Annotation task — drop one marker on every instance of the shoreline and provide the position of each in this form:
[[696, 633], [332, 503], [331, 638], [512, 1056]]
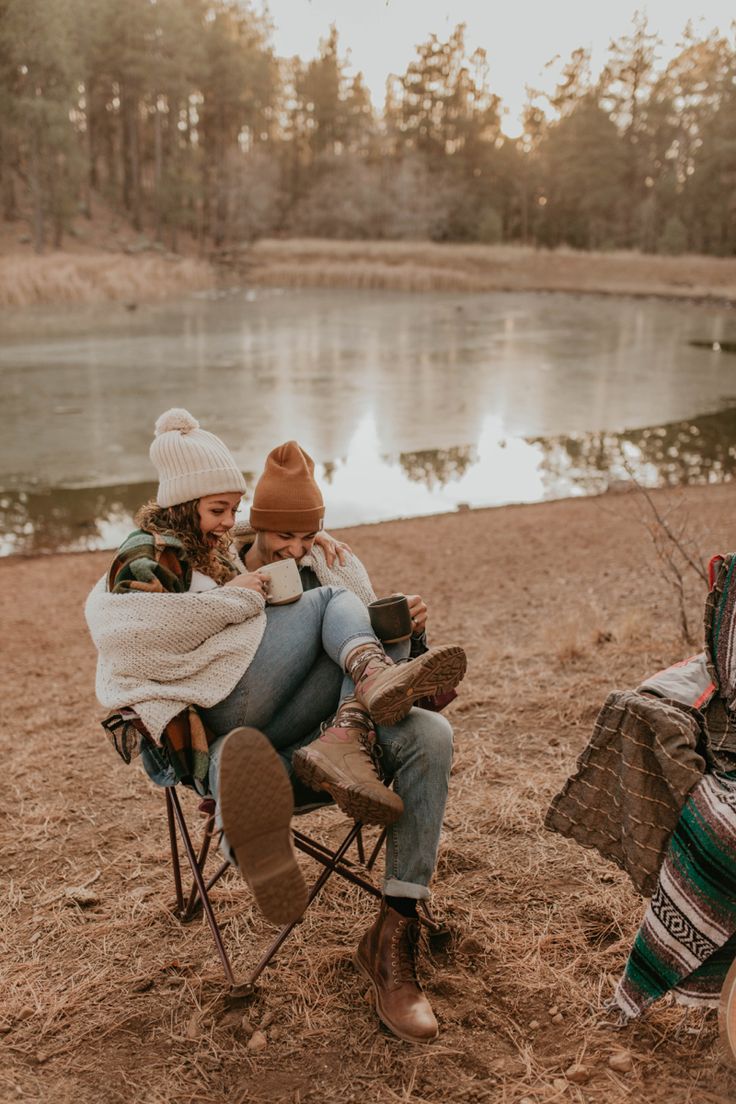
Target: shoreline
[[150, 275]]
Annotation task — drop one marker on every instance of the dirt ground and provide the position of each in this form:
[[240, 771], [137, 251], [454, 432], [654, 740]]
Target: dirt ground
[[106, 998]]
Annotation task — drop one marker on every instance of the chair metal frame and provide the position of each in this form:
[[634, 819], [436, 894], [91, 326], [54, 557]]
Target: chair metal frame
[[198, 899]]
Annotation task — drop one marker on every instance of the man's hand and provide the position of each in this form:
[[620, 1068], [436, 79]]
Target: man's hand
[[418, 611], [333, 549]]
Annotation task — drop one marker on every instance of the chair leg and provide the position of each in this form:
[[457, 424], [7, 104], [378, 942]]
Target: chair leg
[[376, 850], [193, 903], [174, 852], [326, 857], [203, 895]]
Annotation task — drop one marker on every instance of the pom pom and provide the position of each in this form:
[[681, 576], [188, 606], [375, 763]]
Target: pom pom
[[176, 419]]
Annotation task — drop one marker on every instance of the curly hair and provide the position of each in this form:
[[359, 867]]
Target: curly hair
[[182, 521]]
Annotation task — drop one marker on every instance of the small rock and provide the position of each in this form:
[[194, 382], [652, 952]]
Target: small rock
[[559, 1084], [192, 1031], [231, 1019], [577, 1073], [558, 1018], [25, 1013], [79, 895], [257, 1042], [621, 1062], [553, 1010], [553, 741], [470, 946], [534, 1025]]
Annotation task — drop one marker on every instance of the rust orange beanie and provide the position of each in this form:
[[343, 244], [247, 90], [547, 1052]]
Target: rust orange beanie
[[286, 498]]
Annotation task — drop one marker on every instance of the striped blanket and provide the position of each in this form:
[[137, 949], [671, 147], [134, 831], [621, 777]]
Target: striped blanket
[[687, 939]]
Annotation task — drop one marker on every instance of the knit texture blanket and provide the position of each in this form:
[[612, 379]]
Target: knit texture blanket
[[159, 653], [631, 782], [687, 940]]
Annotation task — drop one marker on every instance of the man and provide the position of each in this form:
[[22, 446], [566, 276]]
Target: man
[[340, 757]]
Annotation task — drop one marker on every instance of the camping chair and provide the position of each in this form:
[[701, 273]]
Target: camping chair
[[333, 861], [125, 730]]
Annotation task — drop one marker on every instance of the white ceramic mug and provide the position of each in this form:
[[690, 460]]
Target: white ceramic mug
[[284, 582]]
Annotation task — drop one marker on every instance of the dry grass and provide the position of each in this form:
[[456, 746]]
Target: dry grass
[[97, 278], [427, 266], [113, 1001]]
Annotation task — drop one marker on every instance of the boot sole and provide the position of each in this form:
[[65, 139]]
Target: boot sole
[[432, 674], [362, 969], [256, 805], [357, 806]]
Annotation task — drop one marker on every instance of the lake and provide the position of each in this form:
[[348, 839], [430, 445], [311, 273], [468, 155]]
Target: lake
[[410, 403]]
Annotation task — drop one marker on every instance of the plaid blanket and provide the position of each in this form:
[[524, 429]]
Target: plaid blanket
[[631, 782], [687, 940], [185, 740]]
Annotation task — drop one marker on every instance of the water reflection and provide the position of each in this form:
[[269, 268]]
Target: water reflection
[[367, 485]]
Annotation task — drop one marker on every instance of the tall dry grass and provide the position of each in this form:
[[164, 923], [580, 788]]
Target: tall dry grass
[[97, 278], [429, 266]]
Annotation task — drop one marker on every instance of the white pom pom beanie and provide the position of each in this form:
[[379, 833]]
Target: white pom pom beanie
[[190, 461]]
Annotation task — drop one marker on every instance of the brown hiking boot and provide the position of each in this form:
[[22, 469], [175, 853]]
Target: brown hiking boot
[[386, 957], [388, 690], [256, 804], [342, 763]]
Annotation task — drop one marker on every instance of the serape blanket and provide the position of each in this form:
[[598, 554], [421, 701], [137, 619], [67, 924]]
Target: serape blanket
[[687, 940]]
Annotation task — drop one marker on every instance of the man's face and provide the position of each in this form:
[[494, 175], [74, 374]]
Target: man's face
[[283, 546], [217, 514]]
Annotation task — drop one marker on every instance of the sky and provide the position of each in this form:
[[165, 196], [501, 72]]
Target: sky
[[519, 36]]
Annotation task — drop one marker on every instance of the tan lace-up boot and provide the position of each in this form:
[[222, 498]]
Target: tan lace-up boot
[[387, 958], [343, 762], [388, 690]]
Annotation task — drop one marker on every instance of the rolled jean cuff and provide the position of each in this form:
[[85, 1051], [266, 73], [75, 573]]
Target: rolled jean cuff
[[353, 642], [392, 887]]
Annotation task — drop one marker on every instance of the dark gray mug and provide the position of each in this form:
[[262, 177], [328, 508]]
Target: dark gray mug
[[390, 618]]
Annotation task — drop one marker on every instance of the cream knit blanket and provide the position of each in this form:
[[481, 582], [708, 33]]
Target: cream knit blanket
[[159, 653]]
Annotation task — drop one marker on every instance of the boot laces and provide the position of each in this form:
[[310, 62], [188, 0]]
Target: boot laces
[[405, 951], [355, 720]]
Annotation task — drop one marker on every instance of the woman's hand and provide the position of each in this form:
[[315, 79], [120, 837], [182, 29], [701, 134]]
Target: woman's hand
[[250, 580], [333, 549], [418, 611]]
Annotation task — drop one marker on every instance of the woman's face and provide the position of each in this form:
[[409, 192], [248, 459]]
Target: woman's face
[[217, 514]]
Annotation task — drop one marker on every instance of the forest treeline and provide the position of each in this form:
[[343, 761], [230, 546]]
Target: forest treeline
[[178, 115]]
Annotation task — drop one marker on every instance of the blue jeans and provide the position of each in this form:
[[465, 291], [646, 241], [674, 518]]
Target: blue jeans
[[279, 691]]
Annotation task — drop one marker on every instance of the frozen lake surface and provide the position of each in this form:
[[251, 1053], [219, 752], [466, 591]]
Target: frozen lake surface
[[410, 403]]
